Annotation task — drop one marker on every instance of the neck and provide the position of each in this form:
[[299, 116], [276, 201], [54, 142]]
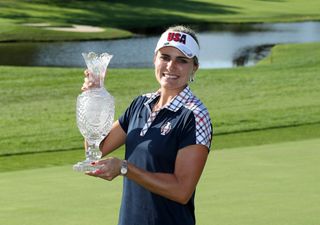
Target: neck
[[165, 97]]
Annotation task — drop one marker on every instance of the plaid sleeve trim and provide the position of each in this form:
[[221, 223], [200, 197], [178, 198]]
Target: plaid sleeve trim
[[203, 121]]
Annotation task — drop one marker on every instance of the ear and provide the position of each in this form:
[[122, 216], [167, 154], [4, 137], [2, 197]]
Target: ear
[[193, 73], [195, 68]]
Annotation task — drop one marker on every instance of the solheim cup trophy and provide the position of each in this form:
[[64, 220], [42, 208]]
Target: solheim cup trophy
[[95, 110]]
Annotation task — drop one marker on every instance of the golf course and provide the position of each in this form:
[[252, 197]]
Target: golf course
[[263, 166]]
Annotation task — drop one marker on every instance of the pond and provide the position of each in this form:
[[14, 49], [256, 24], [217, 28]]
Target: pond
[[219, 49]]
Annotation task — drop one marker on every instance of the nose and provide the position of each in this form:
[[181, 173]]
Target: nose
[[171, 65]]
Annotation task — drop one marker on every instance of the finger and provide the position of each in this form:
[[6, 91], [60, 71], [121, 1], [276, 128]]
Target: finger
[[86, 73], [84, 87], [95, 173], [98, 172], [87, 82], [98, 163]]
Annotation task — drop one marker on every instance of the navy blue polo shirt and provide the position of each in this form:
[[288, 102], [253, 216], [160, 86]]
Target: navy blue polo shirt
[[152, 143]]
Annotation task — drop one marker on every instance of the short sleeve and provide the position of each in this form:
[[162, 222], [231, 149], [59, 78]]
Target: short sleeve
[[197, 129]]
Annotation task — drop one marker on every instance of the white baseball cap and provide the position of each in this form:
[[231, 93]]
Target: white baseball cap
[[182, 41]]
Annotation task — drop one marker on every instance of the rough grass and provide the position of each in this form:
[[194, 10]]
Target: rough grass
[[38, 104]]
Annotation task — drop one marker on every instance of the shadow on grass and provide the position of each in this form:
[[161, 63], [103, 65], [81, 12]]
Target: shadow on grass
[[126, 14], [31, 160], [39, 152]]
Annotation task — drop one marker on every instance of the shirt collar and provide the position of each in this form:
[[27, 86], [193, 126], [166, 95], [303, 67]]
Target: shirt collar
[[175, 103]]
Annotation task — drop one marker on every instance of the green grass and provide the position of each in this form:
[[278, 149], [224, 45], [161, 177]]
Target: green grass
[[117, 17], [38, 105], [269, 184], [275, 103], [57, 195], [21, 161]]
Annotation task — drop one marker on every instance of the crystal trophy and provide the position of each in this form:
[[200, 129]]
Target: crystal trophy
[[95, 110]]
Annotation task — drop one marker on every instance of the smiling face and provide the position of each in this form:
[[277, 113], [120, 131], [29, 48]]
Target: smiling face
[[173, 69]]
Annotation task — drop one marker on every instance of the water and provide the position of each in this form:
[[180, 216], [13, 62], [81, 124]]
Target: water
[[219, 49], [229, 46]]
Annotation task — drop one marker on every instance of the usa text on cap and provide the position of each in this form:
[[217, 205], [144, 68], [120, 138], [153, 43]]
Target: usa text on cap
[[182, 41]]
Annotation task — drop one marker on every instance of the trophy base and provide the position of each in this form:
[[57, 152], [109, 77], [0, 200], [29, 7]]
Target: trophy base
[[85, 166]]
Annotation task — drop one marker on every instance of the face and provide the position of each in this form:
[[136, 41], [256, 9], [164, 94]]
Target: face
[[173, 69]]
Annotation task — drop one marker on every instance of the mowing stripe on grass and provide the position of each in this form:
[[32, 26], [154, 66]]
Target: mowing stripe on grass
[[270, 184]]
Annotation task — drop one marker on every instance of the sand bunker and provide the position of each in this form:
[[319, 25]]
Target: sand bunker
[[74, 28], [37, 24], [77, 28]]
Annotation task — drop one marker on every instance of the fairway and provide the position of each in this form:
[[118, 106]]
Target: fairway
[[259, 185], [263, 168]]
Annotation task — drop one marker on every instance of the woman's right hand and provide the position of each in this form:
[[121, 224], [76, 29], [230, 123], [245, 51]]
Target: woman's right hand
[[87, 83]]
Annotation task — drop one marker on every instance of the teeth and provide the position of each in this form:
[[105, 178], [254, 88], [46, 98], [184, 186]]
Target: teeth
[[171, 76]]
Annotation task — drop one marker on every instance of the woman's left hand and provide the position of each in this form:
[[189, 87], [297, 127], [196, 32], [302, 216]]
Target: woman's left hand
[[109, 168]]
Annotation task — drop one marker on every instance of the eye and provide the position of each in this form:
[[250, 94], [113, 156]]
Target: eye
[[182, 60], [164, 57]]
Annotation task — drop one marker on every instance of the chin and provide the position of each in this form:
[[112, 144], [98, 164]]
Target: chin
[[169, 86]]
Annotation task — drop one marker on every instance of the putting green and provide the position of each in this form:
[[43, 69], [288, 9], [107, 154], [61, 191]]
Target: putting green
[[271, 184], [274, 184]]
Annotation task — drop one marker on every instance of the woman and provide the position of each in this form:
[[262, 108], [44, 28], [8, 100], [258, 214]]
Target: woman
[[167, 135]]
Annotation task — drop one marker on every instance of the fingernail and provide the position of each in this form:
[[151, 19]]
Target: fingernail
[[97, 172]]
